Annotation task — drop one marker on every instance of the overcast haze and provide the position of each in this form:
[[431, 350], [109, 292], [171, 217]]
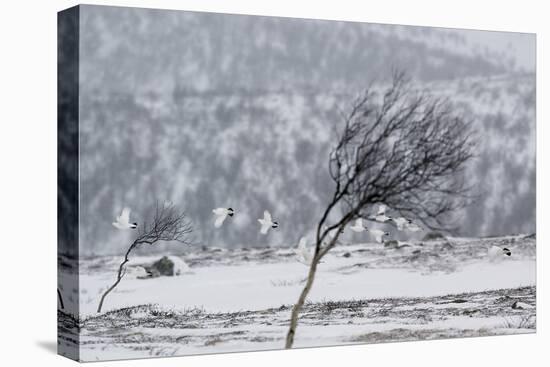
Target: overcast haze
[[209, 110]]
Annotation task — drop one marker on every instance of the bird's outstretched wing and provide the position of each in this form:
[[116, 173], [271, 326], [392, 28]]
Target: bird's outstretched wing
[[381, 209], [219, 220], [400, 223], [302, 243], [124, 217], [265, 226], [359, 222], [267, 216], [403, 223], [380, 217]]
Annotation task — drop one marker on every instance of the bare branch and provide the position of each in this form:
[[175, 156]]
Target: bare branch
[[167, 225]]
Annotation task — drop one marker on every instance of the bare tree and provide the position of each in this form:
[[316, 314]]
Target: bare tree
[[404, 148], [166, 225]]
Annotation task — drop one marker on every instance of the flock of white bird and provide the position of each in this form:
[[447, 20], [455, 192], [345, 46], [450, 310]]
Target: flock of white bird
[[403, 224], [267, 222], [303, 254]]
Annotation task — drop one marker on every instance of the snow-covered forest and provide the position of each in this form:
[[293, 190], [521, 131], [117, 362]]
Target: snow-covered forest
[[207, 110]]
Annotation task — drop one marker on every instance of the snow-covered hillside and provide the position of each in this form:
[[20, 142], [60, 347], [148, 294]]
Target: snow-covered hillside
[[269, 151], [126, 49]]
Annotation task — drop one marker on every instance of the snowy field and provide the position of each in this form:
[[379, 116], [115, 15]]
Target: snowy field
[[240, 300]]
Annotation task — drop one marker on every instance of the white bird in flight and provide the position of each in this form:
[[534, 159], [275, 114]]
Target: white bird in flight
[[381, 209], [221, 214], [267, 222], [381, 214], [123, 220], [303, 254], [401, 223], [413, 227], [358, 226], [382, 218], [496, 253], [378, 234]]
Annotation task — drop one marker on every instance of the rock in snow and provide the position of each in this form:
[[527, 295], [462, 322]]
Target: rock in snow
[[167, 266], [517, 305]]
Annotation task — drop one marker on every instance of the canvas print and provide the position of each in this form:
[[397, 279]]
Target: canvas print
[[233, 183]]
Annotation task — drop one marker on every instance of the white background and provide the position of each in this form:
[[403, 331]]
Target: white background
[[28, 181]]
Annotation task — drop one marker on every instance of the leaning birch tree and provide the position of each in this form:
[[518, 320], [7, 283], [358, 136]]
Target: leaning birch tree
[[167, 225], [404, 148]]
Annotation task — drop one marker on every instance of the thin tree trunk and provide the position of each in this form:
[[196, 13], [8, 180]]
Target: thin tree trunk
[[119, 277], [106, 293], [60, 299], [298, 306], [167, 225], [319, 254]]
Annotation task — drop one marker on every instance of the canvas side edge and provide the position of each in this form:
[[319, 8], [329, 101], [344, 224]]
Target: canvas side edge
[[68, 23]]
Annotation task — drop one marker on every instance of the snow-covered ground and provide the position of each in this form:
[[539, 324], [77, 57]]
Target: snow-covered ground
[[238, 300]]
